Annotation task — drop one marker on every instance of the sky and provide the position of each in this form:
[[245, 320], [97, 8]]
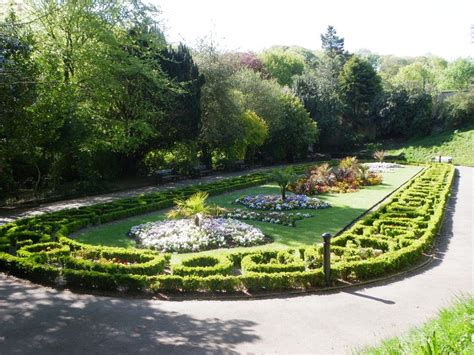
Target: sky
[[398, 27]]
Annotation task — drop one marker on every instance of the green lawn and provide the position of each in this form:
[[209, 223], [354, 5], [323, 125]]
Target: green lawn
[[450, 333], [459, 145], [345, 208]]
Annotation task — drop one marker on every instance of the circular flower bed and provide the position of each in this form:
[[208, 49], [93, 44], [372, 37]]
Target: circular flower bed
[[183, 235], [275, 202]]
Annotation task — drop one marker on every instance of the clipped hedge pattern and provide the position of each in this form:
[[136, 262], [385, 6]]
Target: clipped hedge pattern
[[393, 237], [203, 266], [272, 262]]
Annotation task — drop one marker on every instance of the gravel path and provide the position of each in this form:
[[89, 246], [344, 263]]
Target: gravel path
[[39, 320]]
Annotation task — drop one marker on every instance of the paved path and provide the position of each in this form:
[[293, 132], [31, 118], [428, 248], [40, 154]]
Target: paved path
[[8, 216], [40, 320]]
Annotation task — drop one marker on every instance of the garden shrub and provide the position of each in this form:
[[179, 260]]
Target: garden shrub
[[203, 266], [116, 260], [272, 262], [46, 249], [313, 257]]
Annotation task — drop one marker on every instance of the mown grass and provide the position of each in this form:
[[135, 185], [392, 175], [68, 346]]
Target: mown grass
[[345, 208], [451, 332], [457, 144]]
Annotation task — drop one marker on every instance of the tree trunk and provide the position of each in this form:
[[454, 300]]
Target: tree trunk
[[38, 180], [206, 156]]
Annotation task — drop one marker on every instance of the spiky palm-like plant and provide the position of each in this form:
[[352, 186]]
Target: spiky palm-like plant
[[283, 177], [195, 206], [379, 155], [192, 206]]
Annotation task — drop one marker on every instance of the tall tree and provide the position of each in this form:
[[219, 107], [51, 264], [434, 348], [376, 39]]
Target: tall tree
[[319, 96], [221, 106], [185, 118], [111, 93], [297, 133], [331, 43], [360, 86], [20, 136]]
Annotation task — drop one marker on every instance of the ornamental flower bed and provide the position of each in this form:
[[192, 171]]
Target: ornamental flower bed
[[275, 202], [184, 235], [382, 167], [286, 219], [349, 176]]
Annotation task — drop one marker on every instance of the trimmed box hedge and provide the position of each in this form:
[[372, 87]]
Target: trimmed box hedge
[[389, 239], [203, 265]]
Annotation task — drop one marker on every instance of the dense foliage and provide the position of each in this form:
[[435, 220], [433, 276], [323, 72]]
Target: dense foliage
[[91, 92]]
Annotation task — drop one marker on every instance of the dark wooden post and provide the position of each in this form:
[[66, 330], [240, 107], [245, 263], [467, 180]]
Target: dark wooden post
[[327, 258]]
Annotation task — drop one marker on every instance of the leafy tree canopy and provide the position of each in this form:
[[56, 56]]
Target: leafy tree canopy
[[282, 65]]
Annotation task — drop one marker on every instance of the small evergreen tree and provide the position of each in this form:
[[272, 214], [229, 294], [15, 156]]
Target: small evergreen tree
[[332, 44]]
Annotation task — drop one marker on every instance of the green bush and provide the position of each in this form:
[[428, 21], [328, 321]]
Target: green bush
[[46, 249], [203, 266], [272, 262], [313, 258], [116, 261]]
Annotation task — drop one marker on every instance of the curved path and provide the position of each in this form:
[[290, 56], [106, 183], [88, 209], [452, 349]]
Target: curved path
[[37, 320]]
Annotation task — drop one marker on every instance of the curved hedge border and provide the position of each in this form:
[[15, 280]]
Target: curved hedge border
[[272, 262], [203, 265], [387, 240]]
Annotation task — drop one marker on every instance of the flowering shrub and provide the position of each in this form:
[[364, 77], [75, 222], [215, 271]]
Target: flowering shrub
[[275, 202], [183, 235], [374, 180], [286, 219], [349, 176]]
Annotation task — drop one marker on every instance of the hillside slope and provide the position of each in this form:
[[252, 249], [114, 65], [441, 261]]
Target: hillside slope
[[458, 144]]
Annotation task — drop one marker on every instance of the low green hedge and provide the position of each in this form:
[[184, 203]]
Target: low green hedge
[[272, 262], [203, 266], [116, 261], [393, 237], [44, 249]]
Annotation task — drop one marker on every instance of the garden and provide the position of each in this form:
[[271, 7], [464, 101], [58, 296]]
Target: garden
[[307, 224], [256, 232]]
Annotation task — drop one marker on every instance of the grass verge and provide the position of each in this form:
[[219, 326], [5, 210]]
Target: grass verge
[[451, 332]]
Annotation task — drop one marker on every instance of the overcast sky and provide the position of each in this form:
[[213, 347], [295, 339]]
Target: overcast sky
[[399, 27]]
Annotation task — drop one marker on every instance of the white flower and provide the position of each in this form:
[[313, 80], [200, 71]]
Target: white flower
[[183, 235]]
